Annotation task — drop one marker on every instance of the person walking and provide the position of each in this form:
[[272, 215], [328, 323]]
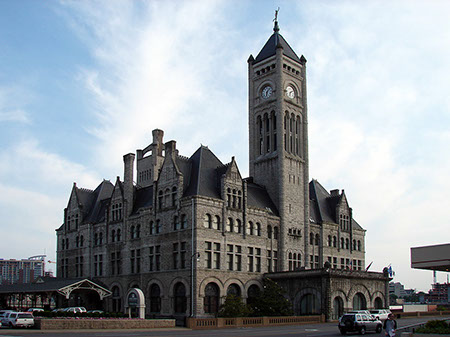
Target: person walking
[[390, 325]]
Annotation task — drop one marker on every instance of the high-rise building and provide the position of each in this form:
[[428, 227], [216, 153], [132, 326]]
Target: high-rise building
[[21, 271]]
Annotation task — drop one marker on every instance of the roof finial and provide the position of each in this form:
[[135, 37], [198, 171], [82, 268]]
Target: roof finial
[[275, 27]]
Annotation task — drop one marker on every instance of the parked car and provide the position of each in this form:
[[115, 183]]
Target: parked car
[[360, 323], [96, 311], [381, 314], [366, 312], [3, 315], [75, 309], [18, 319], [35, 310]]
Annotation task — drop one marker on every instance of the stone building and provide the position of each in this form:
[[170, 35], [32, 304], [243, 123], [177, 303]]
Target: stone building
[[192, 230]]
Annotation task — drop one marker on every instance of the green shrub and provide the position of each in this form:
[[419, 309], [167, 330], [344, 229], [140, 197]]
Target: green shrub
[[435, 327]]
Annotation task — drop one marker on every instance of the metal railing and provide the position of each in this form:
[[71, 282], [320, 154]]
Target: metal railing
[[412, 327]]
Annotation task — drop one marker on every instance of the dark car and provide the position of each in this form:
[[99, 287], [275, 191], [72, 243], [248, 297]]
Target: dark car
[[360, 323]]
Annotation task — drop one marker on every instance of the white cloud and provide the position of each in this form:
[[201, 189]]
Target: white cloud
[[12, 101]]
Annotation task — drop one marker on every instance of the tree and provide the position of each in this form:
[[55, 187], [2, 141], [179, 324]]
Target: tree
[[271, 301], [234, 307]]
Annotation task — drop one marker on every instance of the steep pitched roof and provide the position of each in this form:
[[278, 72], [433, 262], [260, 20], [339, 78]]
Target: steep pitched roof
[[203, 175], [257, 196], [323, 205], [144, 198], [102, 194], [270, 48]]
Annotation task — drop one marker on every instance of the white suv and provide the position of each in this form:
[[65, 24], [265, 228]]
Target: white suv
[[381, 314], [18, 319]]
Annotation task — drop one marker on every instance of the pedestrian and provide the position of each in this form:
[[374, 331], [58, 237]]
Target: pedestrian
[[390, 325]]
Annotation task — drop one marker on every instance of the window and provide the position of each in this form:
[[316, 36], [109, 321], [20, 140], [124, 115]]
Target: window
[[158, 226], [329, 241], [359, 245], [183, 221], [116, 211], [155, 258], [216, 256], [230, 225], [354, 244], [258, 260], [258, 229], [250, 259], [334, 241], [160, 199], [230, 256], [238, 258], [275, 233], [311, 238], [135, 261], [133, 232], [98, 265], [116, 263], [342, 243], [250, 228], [347, 244], [175, 256], [174, 196], [238, 226], [207, 221], [212, 256], [208, 255], [211, 299], [113, 235], [317, 240], [216, 223], [269, 232], [155, 298], [176, 223]]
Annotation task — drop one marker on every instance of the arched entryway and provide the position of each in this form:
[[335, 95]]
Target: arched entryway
[[180, 300], [338, 307], [378, 303], [359, 302], [211, 300], [252, 293], [309, 304], [155, 298]]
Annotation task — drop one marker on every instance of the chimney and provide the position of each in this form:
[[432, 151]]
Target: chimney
[[157, 142], [128, 188], [171, 149], [334, 193]]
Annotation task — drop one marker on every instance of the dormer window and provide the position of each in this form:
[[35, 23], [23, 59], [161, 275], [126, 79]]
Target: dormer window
[[344, 222], [234, 198], [116, 211]]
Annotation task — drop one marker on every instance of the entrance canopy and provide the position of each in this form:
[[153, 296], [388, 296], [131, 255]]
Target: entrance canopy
[[431, 257], [48, 285]]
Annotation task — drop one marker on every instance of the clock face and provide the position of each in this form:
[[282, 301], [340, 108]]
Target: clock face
[[290, 92], [267, 92]]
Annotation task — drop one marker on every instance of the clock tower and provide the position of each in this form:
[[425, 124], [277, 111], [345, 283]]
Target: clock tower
[[278, 139]]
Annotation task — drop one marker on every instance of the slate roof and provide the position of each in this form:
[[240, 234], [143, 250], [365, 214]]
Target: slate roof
[[270, 48], [42, 284], [144, 198], [323, 205], [257, 196]]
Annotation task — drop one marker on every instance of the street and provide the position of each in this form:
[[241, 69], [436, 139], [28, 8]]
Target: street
[[325, 329]]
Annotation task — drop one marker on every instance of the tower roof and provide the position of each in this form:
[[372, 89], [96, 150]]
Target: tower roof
[[274, 42]]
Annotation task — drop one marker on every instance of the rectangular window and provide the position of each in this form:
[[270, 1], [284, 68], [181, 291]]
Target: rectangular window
[[334, 262], [342, 263], [230, 264], [238, 259], [258, 260], [100, 265], [269, 261], [275, 260], [183, 255], [132, 259], [250, 259], [151, 256], [157, 258], [208, 255], [138, 261], [175, 256], [311, 261], [316, 261]]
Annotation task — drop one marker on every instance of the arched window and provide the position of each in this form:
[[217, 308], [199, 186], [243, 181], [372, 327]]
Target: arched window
[[250, 228], [234, 199], [183, 221], [290, 262], [317, 240], [95, 239], [100, 238], [239, 200], [275, 233], [269, 231], [207, 221], [77, 241], [347, 246], [233, 289], [180, 298], [329, 241], [158, 226], [81, 241], [334, 241], [229, 197], [216, 223], [211, 300], [113, 235], [354, 244], [230, 225], [133, 232], [258, 229], [67, 243], [238, 226], [342, 243], [152, 228], [155, 298], [359, 245], [311, 238]]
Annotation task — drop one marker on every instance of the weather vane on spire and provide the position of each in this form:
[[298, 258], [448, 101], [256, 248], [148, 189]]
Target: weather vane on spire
[[275, 26], [276, 14]]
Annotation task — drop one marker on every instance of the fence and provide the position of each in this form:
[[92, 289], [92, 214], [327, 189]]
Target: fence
[[237, 322]]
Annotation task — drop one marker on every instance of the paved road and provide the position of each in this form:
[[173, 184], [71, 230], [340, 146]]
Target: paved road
[[312, 330]]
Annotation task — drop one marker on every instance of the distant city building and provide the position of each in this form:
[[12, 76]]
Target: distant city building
[[439, 294], [21, 271]]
